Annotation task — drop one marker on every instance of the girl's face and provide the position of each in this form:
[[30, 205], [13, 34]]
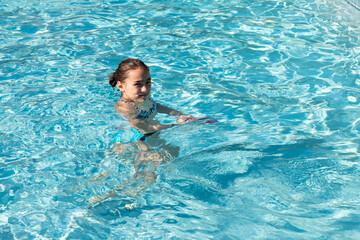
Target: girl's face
[[137, 85]]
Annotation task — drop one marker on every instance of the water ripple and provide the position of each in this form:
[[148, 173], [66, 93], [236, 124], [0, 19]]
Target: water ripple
[[282, 78]]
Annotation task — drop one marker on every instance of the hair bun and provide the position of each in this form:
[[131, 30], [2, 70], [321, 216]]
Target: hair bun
[[112, 80]]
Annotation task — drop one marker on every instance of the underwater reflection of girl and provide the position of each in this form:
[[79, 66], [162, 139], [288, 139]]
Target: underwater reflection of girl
[[132, 78]]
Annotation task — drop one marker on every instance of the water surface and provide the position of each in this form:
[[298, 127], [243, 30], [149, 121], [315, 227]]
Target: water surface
[[282, 78]]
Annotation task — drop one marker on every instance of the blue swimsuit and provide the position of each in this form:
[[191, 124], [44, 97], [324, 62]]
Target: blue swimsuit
[[125, 137]]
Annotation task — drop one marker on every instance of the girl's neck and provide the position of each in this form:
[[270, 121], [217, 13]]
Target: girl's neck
[[137, 104], [126, 98]]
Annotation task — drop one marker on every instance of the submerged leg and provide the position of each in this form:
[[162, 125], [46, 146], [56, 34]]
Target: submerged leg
[[119, 148], [146, 163]]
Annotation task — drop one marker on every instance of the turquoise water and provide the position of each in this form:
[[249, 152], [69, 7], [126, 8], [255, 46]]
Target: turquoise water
[[282, 78]]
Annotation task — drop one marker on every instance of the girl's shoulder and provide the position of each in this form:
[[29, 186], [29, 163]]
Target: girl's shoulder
[[126, 109]]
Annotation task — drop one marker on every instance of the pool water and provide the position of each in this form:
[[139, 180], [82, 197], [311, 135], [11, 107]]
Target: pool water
[[281, 77]]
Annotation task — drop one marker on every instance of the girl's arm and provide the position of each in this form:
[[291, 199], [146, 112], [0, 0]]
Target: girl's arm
[[172, 112], [167, 110], [151, 128]]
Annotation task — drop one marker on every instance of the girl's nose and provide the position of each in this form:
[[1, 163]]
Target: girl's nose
[[143, 88]]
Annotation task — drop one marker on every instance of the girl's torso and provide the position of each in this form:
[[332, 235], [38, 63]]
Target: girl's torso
[[138, 114]]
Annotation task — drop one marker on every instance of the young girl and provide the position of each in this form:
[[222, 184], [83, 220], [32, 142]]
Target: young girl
[[132, 78]]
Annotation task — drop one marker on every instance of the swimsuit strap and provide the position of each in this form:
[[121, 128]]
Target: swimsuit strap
[[129, 103], [133, 104]]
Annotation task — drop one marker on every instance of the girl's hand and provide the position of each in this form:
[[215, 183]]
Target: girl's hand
[[185, 119]]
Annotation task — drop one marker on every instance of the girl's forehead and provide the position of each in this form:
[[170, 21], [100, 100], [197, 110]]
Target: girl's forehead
[[138, 75], [138, 72]]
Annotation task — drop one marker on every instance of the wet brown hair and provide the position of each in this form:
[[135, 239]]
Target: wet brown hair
[[124, 67]]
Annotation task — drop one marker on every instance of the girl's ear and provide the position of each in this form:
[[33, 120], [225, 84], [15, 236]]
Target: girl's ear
[[120, 85]]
